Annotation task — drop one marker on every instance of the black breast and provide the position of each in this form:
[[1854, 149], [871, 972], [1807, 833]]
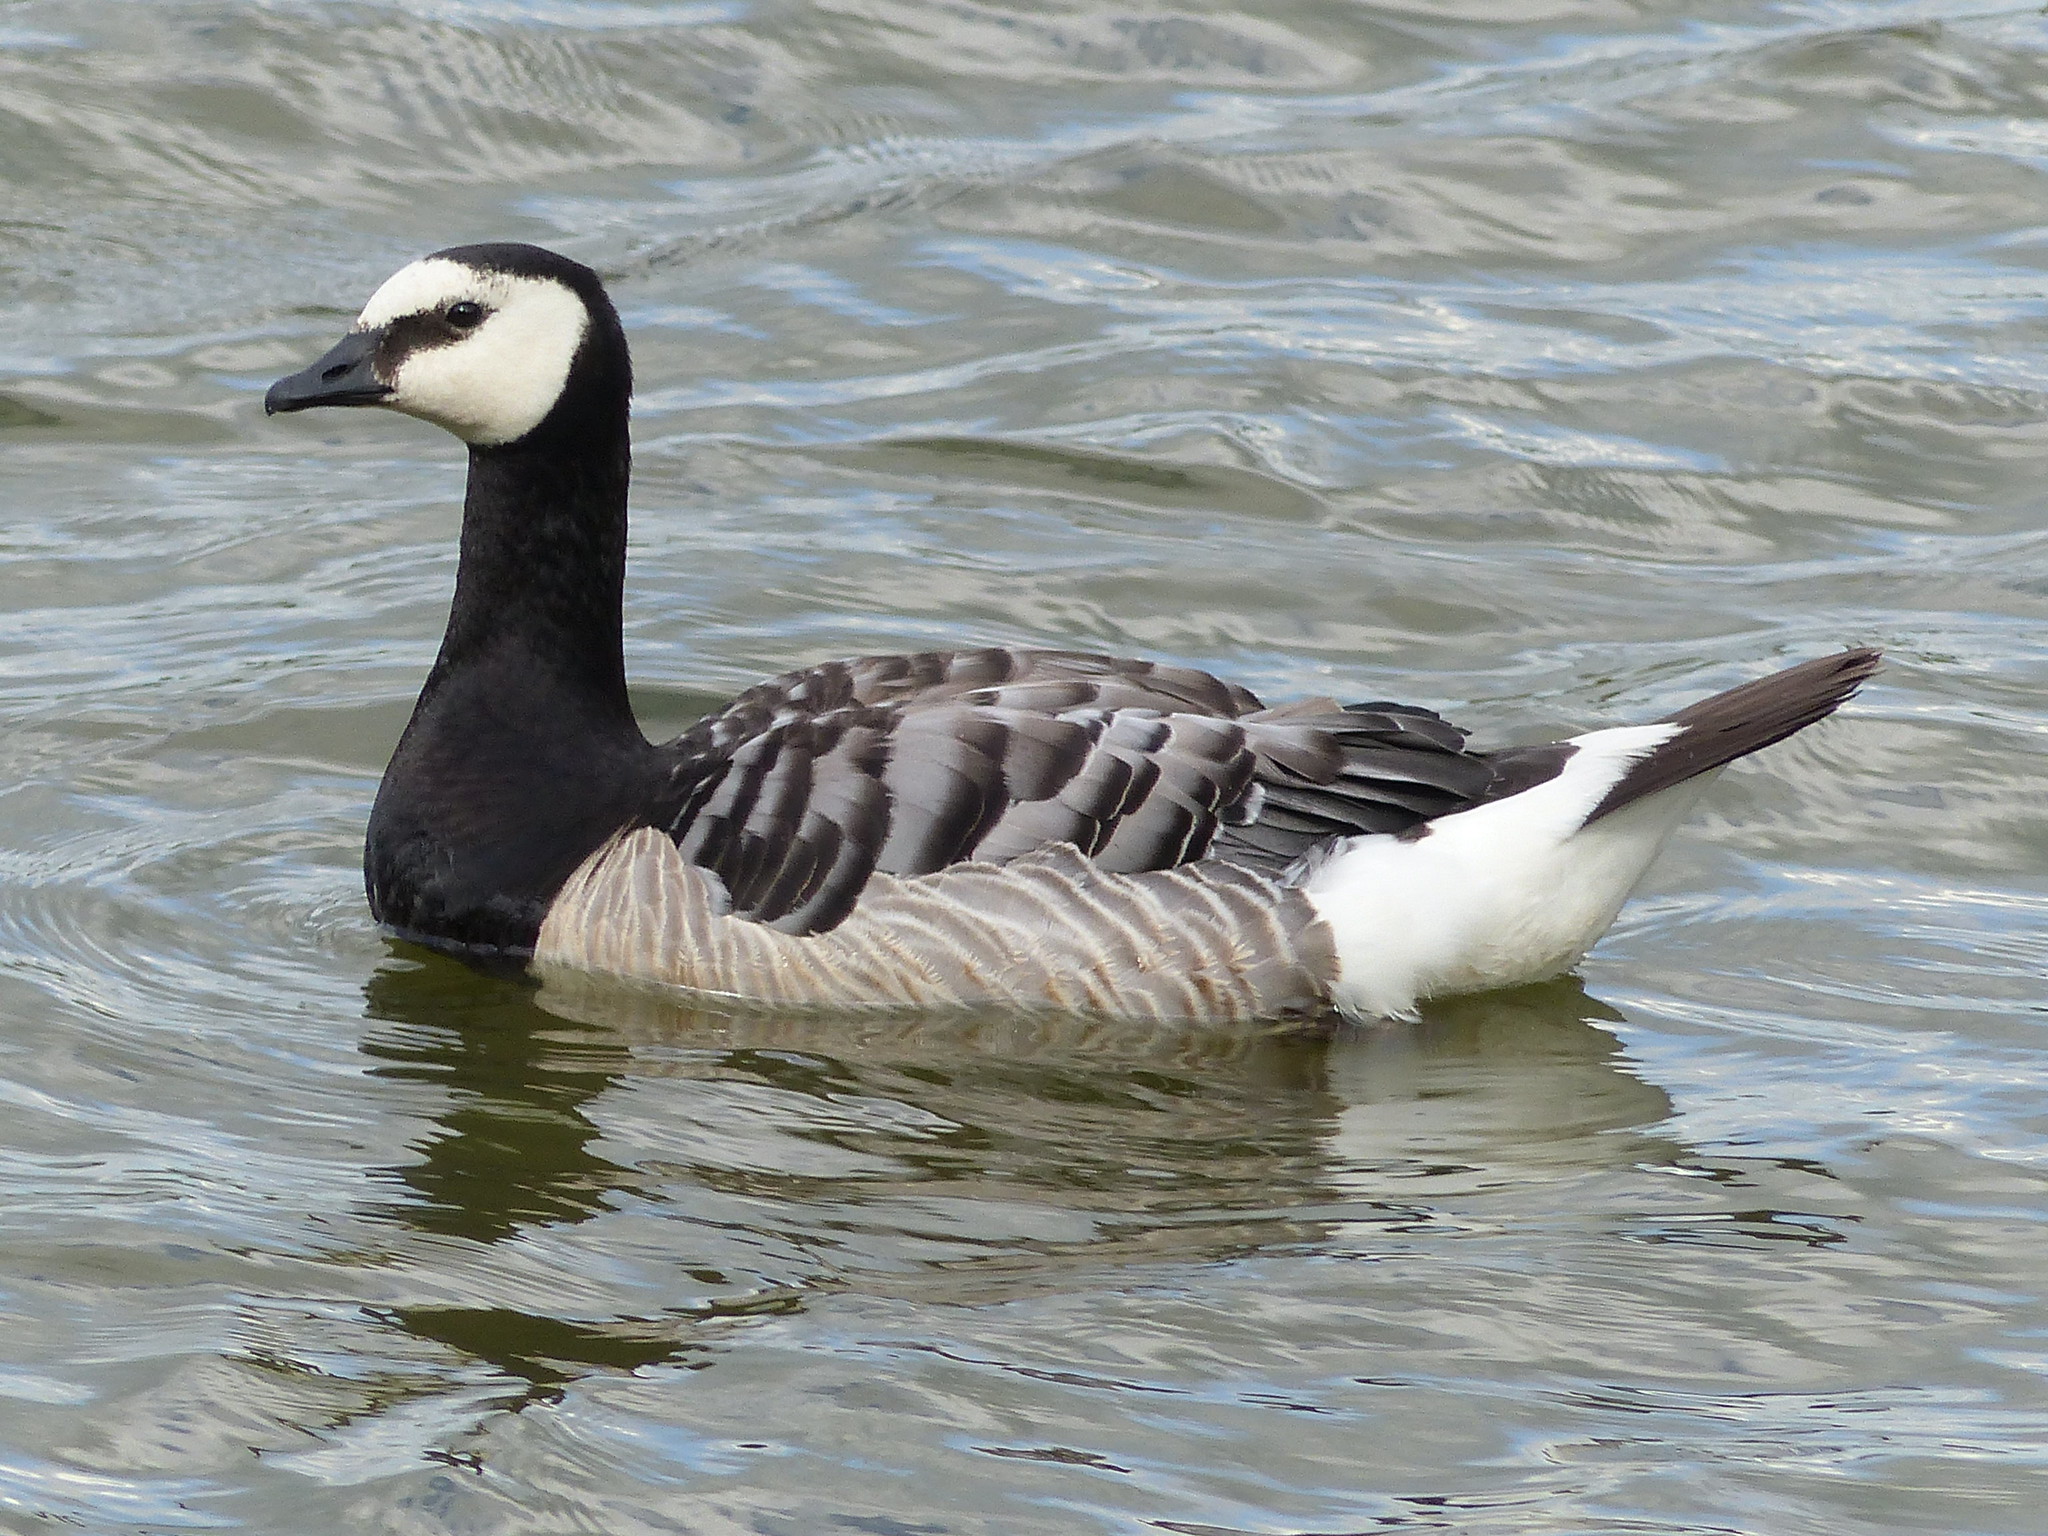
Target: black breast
[[499, 788]]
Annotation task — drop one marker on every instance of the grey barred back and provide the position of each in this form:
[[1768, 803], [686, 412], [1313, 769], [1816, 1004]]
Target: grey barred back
[[806, 785]]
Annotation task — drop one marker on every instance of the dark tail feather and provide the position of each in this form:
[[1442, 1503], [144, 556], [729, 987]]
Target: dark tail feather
[[1740, 721]]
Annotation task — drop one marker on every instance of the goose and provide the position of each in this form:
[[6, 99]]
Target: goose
[[1034, 829]]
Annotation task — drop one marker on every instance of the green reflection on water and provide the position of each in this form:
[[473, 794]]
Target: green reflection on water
[[513, 1144]]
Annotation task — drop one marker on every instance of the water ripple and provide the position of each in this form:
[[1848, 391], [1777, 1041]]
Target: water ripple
[[1552, 363]]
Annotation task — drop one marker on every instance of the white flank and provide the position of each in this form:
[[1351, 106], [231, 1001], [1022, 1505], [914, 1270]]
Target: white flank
[[496, 383], [1499, 895]]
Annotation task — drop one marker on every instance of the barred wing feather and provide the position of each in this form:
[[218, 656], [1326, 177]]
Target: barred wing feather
[[804, 787]]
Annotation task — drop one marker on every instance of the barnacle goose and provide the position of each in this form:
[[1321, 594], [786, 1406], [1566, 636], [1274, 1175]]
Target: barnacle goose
[[1014, 827]]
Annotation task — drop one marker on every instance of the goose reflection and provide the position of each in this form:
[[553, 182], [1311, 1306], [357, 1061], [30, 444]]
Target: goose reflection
[[513, 1145], [511, 1152], [763, 1158]]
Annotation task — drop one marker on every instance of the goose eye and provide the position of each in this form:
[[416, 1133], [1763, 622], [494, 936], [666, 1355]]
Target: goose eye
[[465, 315]]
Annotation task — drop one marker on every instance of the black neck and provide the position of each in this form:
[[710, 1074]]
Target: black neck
[[522, 755], [543, 564]]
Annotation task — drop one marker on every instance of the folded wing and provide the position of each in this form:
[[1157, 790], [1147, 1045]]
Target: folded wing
[[804, 787]]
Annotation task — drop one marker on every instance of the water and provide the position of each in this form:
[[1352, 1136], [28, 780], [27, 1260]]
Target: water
[[1552, 362]]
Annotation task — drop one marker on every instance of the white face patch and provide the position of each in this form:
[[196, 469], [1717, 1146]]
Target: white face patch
[[495, 383]]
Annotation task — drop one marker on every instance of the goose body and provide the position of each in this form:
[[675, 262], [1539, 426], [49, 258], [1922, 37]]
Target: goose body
[[1028, 828]]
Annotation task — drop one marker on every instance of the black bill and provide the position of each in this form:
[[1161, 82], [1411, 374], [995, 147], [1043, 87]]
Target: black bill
[[345, 376]]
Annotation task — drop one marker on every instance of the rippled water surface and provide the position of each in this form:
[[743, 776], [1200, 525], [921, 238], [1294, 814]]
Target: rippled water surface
[[1550, 361]]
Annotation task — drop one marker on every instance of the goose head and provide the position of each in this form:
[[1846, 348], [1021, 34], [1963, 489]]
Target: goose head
[[492, 342]]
